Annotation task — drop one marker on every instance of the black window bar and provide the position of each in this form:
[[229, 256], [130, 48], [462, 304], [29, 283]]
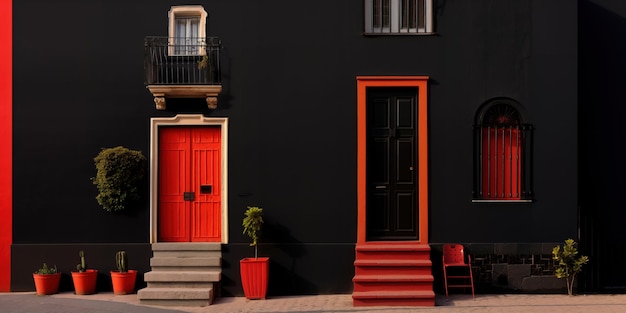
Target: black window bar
[[514, 163]]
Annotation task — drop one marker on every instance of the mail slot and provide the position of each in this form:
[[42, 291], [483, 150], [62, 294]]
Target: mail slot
[[206, 189]]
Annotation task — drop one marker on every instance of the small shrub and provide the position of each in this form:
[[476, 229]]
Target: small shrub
[[45, 270], [118, 178], [569, 263]]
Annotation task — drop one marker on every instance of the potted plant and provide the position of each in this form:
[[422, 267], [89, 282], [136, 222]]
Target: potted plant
[[123, 279], [254, 271], [47, 280], [569, 263], [84, 279], [119, 172]]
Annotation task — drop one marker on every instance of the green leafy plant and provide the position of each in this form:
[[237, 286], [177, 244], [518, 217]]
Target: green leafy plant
[[121, 261], [118, 178], [82, 266], [202, 64], [45, 270], [569, 263], [252, 223]]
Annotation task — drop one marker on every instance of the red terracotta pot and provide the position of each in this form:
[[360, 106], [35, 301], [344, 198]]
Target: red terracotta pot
[[254, 277], [123, 283], [47, 284], [85, 282]]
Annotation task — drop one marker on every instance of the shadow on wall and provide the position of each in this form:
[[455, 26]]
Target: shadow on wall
[[286, 271], [602, 47]]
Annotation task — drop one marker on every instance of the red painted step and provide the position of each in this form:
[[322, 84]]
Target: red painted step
[[393, 298], [393, 273]]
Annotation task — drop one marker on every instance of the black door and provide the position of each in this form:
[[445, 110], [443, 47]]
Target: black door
[[391, 209]]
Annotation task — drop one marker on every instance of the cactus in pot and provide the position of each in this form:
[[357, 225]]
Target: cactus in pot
[[121, 261], [82, 266], [123, 279], [84, 279]]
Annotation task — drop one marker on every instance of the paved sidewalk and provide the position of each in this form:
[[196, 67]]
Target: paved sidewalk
[[29, 302]]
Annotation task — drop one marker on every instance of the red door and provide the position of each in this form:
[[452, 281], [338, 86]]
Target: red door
[[189, 184]]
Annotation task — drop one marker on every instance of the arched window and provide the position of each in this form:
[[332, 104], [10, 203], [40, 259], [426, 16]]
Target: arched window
[[503, 145]]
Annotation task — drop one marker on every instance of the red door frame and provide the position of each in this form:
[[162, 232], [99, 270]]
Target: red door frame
[[420, 82], [6, 152]]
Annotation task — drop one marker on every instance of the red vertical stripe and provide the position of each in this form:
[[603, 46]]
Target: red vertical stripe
[[6, 103]]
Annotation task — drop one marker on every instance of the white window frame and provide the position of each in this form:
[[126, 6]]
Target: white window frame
[[396, 21], [186, 11]]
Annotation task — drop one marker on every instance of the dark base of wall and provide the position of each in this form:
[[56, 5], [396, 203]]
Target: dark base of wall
[[507, 268], [295, 268], [27, 258], [298, 269]]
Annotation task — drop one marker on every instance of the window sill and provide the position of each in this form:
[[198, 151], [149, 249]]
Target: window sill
[[501, 201], [367, 34]]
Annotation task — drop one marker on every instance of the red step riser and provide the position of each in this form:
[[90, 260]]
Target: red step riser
[[394, 302], [381, 270], [412, 286], [392, 256], [393, 245]]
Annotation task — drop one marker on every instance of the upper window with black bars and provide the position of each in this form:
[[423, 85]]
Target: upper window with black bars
[[502, 154], [394, 17]]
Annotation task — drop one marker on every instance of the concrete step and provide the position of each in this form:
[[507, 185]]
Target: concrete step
[[174, 249], [186, 263], [182, 276], [186, 246], [176, 296], [184, 284]]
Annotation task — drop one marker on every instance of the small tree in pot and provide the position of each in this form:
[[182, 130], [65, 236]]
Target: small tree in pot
[[252, 226], [254, 271], [569, 263]]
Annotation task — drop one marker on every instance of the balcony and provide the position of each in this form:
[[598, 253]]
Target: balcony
[[182, 68]]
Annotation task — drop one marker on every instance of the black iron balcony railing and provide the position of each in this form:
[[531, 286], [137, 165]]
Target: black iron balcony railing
[[182, 61]]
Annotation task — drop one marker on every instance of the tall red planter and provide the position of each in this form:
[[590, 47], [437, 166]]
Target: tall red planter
[[85, 282], [254, 277]]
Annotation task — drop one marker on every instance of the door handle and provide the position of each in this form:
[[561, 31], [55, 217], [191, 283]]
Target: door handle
[[189, 196], [381, 187]]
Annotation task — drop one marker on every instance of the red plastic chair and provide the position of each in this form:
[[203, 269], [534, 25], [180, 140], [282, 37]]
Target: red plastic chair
[[454, 257]]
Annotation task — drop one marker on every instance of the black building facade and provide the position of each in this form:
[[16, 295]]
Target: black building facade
[[288, 74]]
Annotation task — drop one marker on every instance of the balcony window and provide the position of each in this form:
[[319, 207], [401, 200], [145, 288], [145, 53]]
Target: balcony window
[[187, 30]]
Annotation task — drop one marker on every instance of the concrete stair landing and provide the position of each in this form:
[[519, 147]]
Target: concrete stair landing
[[183, 274]]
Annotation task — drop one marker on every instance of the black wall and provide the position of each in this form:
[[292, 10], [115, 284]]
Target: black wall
[[288, 71], [602, 50]]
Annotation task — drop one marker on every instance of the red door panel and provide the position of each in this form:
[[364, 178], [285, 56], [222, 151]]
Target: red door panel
[[206, 217], [173, 166], [189, 168]]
